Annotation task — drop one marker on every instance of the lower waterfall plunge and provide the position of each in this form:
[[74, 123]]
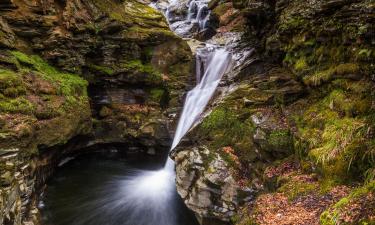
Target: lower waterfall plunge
[[151, 191], [135, 196]]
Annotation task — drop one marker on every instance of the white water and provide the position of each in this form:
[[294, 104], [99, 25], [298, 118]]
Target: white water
[[195, 20], [215, 63], [198, 12], [151, 191]]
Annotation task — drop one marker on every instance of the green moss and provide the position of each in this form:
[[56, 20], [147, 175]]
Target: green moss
[[334, 130], [158, 95], [131, 12], [332, 216], [347, 68], [339, 137], [15, 91], [294, 189], [9, 79], [280, 140], [292, 23], [102, 69], [224, 123], [300, 64], [140, 33], [226, 129], [70, 85], [318, 78], [148, 53], [11, 86], [338, 71], [137, 67], [18, 105]]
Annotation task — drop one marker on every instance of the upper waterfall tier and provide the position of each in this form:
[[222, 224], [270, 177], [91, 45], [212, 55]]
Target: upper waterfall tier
[[212, 63], [187, 18]]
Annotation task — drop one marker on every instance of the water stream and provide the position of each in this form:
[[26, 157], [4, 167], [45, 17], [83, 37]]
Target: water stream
[[95, 189], [212, 62], [148, 197]]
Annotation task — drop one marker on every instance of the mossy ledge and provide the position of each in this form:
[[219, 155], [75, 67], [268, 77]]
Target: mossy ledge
[[34, 92]]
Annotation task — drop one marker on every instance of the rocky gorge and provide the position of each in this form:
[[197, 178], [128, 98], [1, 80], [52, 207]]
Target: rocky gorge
[[288, 137]]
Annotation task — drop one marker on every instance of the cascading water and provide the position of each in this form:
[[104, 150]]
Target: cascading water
[[145, 197], [198, 12], [196, 19], [214, 65], [152, 189]]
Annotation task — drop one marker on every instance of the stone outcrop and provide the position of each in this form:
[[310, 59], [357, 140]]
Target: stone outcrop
[[81, 72], [123, 46], [307, 98], [207, 186], [220, 165], [296, 121]]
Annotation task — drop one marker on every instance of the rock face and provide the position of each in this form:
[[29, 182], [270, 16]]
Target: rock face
[[307, 98], [135, 65], [234, 144], [208, 188], [93, 71]]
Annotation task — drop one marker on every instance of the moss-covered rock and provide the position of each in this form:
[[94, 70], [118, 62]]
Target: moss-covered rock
[[55, 57], [317, 109], [246, 131], [124, 49], [37, 98]]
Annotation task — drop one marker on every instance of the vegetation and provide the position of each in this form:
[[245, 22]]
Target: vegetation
[[296, 188], [18, 105], [15, 88], [334, 130], [102, 69], [69, 85], [137, 68], [344, 212], [341, 70], [226, 128]]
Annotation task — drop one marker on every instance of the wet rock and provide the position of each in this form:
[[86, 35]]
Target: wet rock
[[207, 187]]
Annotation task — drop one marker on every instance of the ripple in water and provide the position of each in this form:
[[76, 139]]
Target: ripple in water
[[108, 192]]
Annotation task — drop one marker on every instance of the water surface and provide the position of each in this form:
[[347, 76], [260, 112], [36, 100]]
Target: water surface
[[92, 190]]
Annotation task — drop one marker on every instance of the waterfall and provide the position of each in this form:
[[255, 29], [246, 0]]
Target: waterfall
[[147, 196], [198, 12], [195, 20], [211, 64], [217, 62], [192, 10], [152, 190]]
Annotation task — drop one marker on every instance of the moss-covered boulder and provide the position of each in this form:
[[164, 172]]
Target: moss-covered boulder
[[40, 105], [240, 137], [308, 96], [124, 49]]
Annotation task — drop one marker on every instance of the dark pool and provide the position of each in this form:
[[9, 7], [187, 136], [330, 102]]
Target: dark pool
[[89, 190]]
